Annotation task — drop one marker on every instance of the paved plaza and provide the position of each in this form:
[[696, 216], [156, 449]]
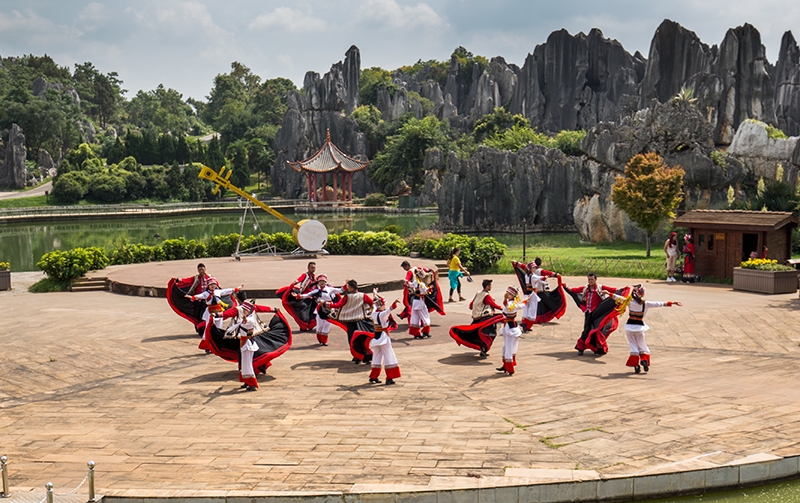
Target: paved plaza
[[119, 380]]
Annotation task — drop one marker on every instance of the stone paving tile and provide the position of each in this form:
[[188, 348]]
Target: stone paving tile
[[120, 381]]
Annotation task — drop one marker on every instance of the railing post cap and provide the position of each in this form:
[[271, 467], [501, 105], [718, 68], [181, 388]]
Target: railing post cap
[[3, 459], [49, 486], [91, 464]]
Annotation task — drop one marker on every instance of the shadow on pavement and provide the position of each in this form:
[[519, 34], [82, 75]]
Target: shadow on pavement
[[342, 366], [573, 356], [465, 359], [175, 337]]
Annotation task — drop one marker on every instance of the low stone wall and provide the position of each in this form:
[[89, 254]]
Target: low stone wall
[[751, 471]]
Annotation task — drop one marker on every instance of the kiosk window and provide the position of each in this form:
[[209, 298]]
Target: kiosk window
[[710, 242], [701, 238]]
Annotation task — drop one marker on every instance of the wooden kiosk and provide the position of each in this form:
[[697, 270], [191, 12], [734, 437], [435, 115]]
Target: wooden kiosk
[[329, 160], [725, 238]]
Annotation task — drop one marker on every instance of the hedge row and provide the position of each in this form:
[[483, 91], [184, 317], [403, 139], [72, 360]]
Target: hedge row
[[477, 255]]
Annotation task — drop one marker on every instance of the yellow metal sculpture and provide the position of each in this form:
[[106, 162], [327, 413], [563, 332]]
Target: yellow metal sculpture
[[310, 235]]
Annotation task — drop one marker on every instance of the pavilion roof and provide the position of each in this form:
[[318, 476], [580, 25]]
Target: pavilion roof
[[329, 158]]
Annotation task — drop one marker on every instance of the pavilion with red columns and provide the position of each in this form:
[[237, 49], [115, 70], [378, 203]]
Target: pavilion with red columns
[[329, 160]]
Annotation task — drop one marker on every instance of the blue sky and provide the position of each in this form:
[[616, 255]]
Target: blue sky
[[185, 43]]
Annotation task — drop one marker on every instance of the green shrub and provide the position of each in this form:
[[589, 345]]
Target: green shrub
[[48, 284], [221, 246], [775, 133], [719, 158], [70, 188], [128, 253], [569, 142], [477, 255], [181, 249], [366, 243], [375, 199], [64, 266], [108, 188]]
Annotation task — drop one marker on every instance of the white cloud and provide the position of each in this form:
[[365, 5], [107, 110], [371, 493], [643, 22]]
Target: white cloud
[[290, 20], [391, 14], [92, 17]]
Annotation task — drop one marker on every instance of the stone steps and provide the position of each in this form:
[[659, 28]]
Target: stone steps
[[84, 284]]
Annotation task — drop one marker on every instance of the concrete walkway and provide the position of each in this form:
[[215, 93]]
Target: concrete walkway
[[119, 380], [38, 191]]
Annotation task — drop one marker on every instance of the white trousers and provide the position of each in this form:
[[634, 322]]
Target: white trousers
[[247, 363], [637, 343], [383, 355], [531, 309], [323, 326], [420, 317]]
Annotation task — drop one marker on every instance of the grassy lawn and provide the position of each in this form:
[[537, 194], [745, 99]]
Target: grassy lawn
[[566, 254], [26, 202]]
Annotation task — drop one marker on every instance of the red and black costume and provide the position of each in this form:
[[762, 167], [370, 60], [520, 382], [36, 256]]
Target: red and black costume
[[480, 334], [551, 304], [600, 315], [272, 342], [302, 310], [433, 299], [353, 316], [188, 309]]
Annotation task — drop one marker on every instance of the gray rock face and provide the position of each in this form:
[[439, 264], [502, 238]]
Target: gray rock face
[[45, 163], [761, 154], [40, 86], [676, 54], [787, 86], [574, 82], [309, 117], [12, 174], [676, 131], [737, 85]]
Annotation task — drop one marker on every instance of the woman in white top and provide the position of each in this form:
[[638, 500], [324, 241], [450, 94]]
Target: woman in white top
[[671, 250]]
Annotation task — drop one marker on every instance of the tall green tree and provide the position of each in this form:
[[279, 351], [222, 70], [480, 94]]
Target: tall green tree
[[649, 192], [237, 162], [101, 95], [405, 152]]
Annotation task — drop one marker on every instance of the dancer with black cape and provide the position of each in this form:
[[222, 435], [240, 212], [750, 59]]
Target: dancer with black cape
[[480, 334], [600, 313]]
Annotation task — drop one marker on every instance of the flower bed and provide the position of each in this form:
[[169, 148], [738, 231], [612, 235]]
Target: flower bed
[[764, 276], [5, 276]]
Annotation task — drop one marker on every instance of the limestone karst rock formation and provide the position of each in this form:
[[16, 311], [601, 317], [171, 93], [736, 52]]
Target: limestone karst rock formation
[[323, 107], [626, 102], [12, 171]]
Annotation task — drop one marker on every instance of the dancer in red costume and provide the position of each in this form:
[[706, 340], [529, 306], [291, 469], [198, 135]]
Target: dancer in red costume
[[302, 310], [353, 316], [320, 295], [381, 344], [480, 334], [635, 327], [433, 299], [600, 314], [688, 260], [510, 330], [544, 304], [178, 288]]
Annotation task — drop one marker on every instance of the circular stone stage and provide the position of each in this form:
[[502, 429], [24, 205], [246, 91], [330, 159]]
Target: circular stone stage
[[261, 276]]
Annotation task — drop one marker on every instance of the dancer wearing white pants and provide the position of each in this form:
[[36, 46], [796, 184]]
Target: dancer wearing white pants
[[381, 345], [635, 328], [510, 330]]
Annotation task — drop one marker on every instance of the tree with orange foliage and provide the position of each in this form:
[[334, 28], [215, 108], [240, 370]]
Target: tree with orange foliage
[[649, 192]]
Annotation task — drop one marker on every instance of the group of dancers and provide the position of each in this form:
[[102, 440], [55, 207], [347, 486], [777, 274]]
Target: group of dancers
[[367, 319]]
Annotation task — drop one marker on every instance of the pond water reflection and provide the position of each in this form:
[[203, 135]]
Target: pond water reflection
[[24, 244]]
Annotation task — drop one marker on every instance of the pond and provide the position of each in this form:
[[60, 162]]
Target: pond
[[24, 244], [784, 492]]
